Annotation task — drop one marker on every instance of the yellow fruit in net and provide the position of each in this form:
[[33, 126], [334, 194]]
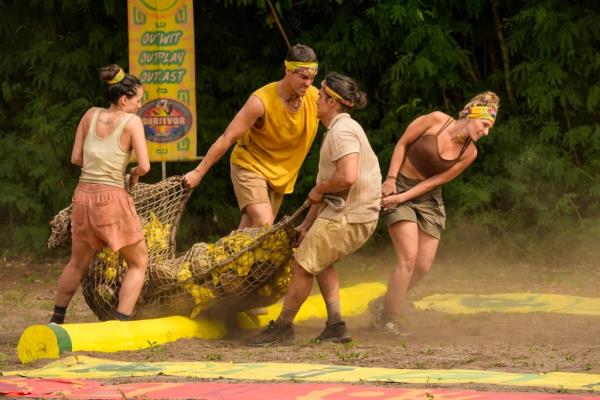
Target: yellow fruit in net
[[106, 294], [200, 294], [243, 260], [243, 270], [216, 274], [265, 290], [109, 264], [283, 278], [202, 298], [277, 242], [242, 241], [280, 258], [184, 272], [156, 234], [261, 255], [216, 277], [216, 253], [235, 242], [108, 257], [220, 257], [110, 273], [267, 245], [243, 263]]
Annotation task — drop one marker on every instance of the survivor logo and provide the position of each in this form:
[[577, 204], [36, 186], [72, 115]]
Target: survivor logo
[[165, 120]]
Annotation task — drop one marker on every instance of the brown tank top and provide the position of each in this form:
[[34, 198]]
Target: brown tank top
[[424, 154]]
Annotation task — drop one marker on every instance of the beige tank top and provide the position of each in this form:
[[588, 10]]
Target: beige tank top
[[104, 161]]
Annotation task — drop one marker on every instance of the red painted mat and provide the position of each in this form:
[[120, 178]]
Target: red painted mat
[[88, 389]]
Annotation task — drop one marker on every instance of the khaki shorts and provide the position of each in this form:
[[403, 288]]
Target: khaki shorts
[[253, 188], [326, 242], [103, 216], [426, 210]]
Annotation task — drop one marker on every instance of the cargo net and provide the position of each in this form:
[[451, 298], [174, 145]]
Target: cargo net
[[246, 269]]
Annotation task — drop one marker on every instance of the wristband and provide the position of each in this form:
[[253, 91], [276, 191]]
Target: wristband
[[390, 177]]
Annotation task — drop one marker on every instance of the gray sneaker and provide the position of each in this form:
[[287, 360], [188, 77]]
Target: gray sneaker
[[394, 328], [376, 306]]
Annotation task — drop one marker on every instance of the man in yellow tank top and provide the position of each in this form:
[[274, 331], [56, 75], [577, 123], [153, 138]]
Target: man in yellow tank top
[[273, 132]]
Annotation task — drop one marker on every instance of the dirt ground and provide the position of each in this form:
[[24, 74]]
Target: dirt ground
[[528, 343]]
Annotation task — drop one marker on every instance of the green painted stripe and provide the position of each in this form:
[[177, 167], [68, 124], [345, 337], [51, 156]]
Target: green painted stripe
[[62, 338]]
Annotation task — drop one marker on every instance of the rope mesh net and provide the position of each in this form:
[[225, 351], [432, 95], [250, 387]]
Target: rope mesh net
[[246, 269]]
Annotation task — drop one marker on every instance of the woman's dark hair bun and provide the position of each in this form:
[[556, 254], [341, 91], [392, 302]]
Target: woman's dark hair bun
[[126, 87]]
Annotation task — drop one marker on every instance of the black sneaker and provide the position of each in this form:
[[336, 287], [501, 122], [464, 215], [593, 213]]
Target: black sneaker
[[57, 319], [336, 333], [273, 335]]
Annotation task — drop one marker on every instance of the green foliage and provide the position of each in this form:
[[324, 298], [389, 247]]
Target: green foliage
[[51, 51], [534, 182]]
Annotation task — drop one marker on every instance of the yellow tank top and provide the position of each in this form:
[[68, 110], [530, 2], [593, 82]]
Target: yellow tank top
[[279, 147], [104, 161]]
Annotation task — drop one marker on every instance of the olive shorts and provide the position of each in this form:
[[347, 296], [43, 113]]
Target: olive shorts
[[426, 210]]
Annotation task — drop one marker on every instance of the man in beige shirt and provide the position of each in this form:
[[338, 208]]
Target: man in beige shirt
[[343, 215]]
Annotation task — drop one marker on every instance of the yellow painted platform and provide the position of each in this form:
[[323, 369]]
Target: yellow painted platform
[[510, 303], [95, 368]]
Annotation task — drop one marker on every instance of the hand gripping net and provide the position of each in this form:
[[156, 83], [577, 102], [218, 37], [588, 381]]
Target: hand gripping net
[[246, 269]]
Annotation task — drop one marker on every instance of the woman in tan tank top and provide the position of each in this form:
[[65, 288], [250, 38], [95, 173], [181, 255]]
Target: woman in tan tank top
[[434, 149], [103, 213]]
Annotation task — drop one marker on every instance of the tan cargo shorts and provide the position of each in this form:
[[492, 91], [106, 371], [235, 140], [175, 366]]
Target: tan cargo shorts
[[326, 242], [253, 188]]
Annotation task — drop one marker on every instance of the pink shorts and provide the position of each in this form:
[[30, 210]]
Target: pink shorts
[[103, 216]]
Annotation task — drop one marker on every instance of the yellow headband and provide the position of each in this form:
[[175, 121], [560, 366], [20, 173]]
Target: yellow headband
[[118, 77], [294, 65], [335, 95], [482, 112]]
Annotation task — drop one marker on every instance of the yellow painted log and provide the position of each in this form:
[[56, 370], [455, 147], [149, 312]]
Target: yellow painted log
[[50, 341], [41, 341], [354, 300]]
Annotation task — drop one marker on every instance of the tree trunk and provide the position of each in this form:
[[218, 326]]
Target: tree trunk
[[504, 52]]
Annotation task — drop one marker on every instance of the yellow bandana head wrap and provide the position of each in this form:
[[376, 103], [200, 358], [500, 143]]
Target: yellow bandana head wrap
[[118, 77], [294, 65], [480, 112], [335, 95]]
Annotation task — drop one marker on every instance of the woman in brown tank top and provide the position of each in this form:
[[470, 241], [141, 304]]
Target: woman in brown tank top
[[434, 149]]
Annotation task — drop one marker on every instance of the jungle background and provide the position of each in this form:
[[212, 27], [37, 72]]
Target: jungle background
[[532, 194]]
